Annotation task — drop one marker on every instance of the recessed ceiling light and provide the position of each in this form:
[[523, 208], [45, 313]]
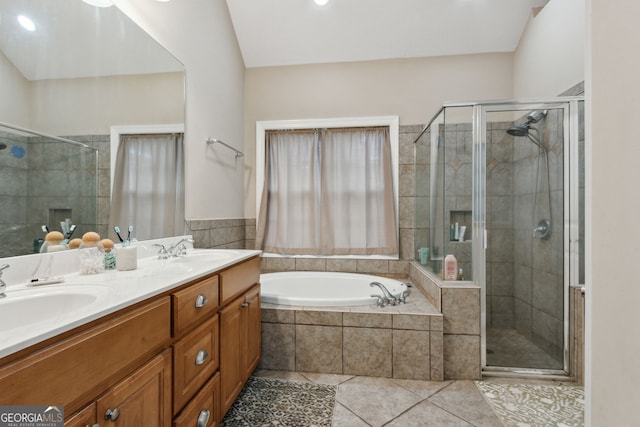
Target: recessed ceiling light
[[321, 2], [99, 3], [26, 23]]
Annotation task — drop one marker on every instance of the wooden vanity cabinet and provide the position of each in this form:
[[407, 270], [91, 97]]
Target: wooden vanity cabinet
[[180, 358], [239, 329]]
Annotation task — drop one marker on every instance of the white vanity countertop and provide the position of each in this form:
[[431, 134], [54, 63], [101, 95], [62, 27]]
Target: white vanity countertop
[[31, 314]]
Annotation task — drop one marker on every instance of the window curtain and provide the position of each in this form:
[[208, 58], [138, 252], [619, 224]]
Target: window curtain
[[328, 192], [148, 186]]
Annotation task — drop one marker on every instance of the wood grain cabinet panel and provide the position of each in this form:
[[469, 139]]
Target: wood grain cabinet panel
[[204, 408], [141, 399], [69, 372], [195, 359], [194, 304]]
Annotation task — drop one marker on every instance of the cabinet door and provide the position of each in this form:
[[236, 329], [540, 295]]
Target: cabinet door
[[231, 339], [252, 321], [141, 399]]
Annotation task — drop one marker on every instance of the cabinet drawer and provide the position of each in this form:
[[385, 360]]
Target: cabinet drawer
[[195, 359], [204, 409], [238, 279], [84, 418], [75, 370], [194, 303]]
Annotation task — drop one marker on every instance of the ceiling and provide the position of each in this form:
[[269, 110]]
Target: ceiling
[[289, 32], [73, 39]]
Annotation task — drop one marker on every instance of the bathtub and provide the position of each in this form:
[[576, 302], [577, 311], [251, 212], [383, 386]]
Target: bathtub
[[323, 289]]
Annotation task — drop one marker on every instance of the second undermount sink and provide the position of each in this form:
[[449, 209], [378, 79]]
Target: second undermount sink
[[28, 307]]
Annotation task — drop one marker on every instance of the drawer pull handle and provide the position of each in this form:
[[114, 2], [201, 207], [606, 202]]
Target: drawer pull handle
[[112, 415], [203, 418], [201, 301], [201, 357]]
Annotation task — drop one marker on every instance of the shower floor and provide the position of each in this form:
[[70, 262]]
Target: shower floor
[[508, 348]]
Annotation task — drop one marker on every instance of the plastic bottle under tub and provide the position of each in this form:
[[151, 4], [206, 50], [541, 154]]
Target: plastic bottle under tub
[[450, 267]]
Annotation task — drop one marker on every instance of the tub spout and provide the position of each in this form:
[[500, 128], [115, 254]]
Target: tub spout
[[388, 295]]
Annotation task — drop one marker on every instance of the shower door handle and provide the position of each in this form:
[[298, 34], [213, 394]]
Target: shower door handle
[[485, 239]]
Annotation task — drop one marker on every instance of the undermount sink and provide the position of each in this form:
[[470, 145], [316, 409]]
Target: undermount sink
[[26, 307]]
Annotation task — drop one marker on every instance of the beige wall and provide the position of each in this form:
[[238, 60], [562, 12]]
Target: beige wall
[[200, 35], [613, 292], [15, 90], [549, 58], [413, 89], [91, 105]]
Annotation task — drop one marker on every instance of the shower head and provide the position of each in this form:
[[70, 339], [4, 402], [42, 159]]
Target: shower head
[[536, 115], [521, 130]]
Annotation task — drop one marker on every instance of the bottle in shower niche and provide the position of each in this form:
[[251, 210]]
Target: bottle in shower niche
[[450, 267]]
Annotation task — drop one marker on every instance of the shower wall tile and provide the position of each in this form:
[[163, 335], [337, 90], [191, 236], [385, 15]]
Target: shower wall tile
[[523, 317], [406, 209], [547, 332], [502, 312], [358, 359], [406, 181], [411, 355]]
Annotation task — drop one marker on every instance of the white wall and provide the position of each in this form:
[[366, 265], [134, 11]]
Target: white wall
[[200, 35], [549, 58], [413, 89], [613, 322]]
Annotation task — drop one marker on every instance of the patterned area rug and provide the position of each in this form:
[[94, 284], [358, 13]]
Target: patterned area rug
[[520, 405], [274, 402]]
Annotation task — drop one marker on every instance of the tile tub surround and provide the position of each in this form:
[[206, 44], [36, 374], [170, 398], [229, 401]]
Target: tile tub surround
[[459, 303], [402, 341]]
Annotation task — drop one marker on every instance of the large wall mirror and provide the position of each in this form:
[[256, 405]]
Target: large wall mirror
[[72, 70]]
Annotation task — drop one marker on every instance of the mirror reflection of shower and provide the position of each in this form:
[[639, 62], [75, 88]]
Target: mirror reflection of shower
[[542, 229]]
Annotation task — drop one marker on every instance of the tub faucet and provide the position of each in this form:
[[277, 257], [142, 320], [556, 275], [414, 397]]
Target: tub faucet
[[3, 286], [179, 249], [390, 299]]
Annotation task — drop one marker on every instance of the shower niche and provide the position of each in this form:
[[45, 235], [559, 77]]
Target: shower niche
[[510, 173]]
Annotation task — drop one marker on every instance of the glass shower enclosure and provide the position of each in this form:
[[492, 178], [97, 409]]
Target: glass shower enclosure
[[44, 180], [500, 185]]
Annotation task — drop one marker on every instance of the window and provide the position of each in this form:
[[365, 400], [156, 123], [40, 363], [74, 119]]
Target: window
[[328, 191]]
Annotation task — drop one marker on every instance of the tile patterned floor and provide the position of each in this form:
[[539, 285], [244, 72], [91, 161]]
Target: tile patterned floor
[[368, 401]]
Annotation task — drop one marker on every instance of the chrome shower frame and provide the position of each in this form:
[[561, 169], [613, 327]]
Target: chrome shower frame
[[570, 106]]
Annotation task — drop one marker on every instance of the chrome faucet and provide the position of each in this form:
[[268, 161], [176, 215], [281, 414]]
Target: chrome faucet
[[3, 286], [388, 296], [179, 249], [162, 253]]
